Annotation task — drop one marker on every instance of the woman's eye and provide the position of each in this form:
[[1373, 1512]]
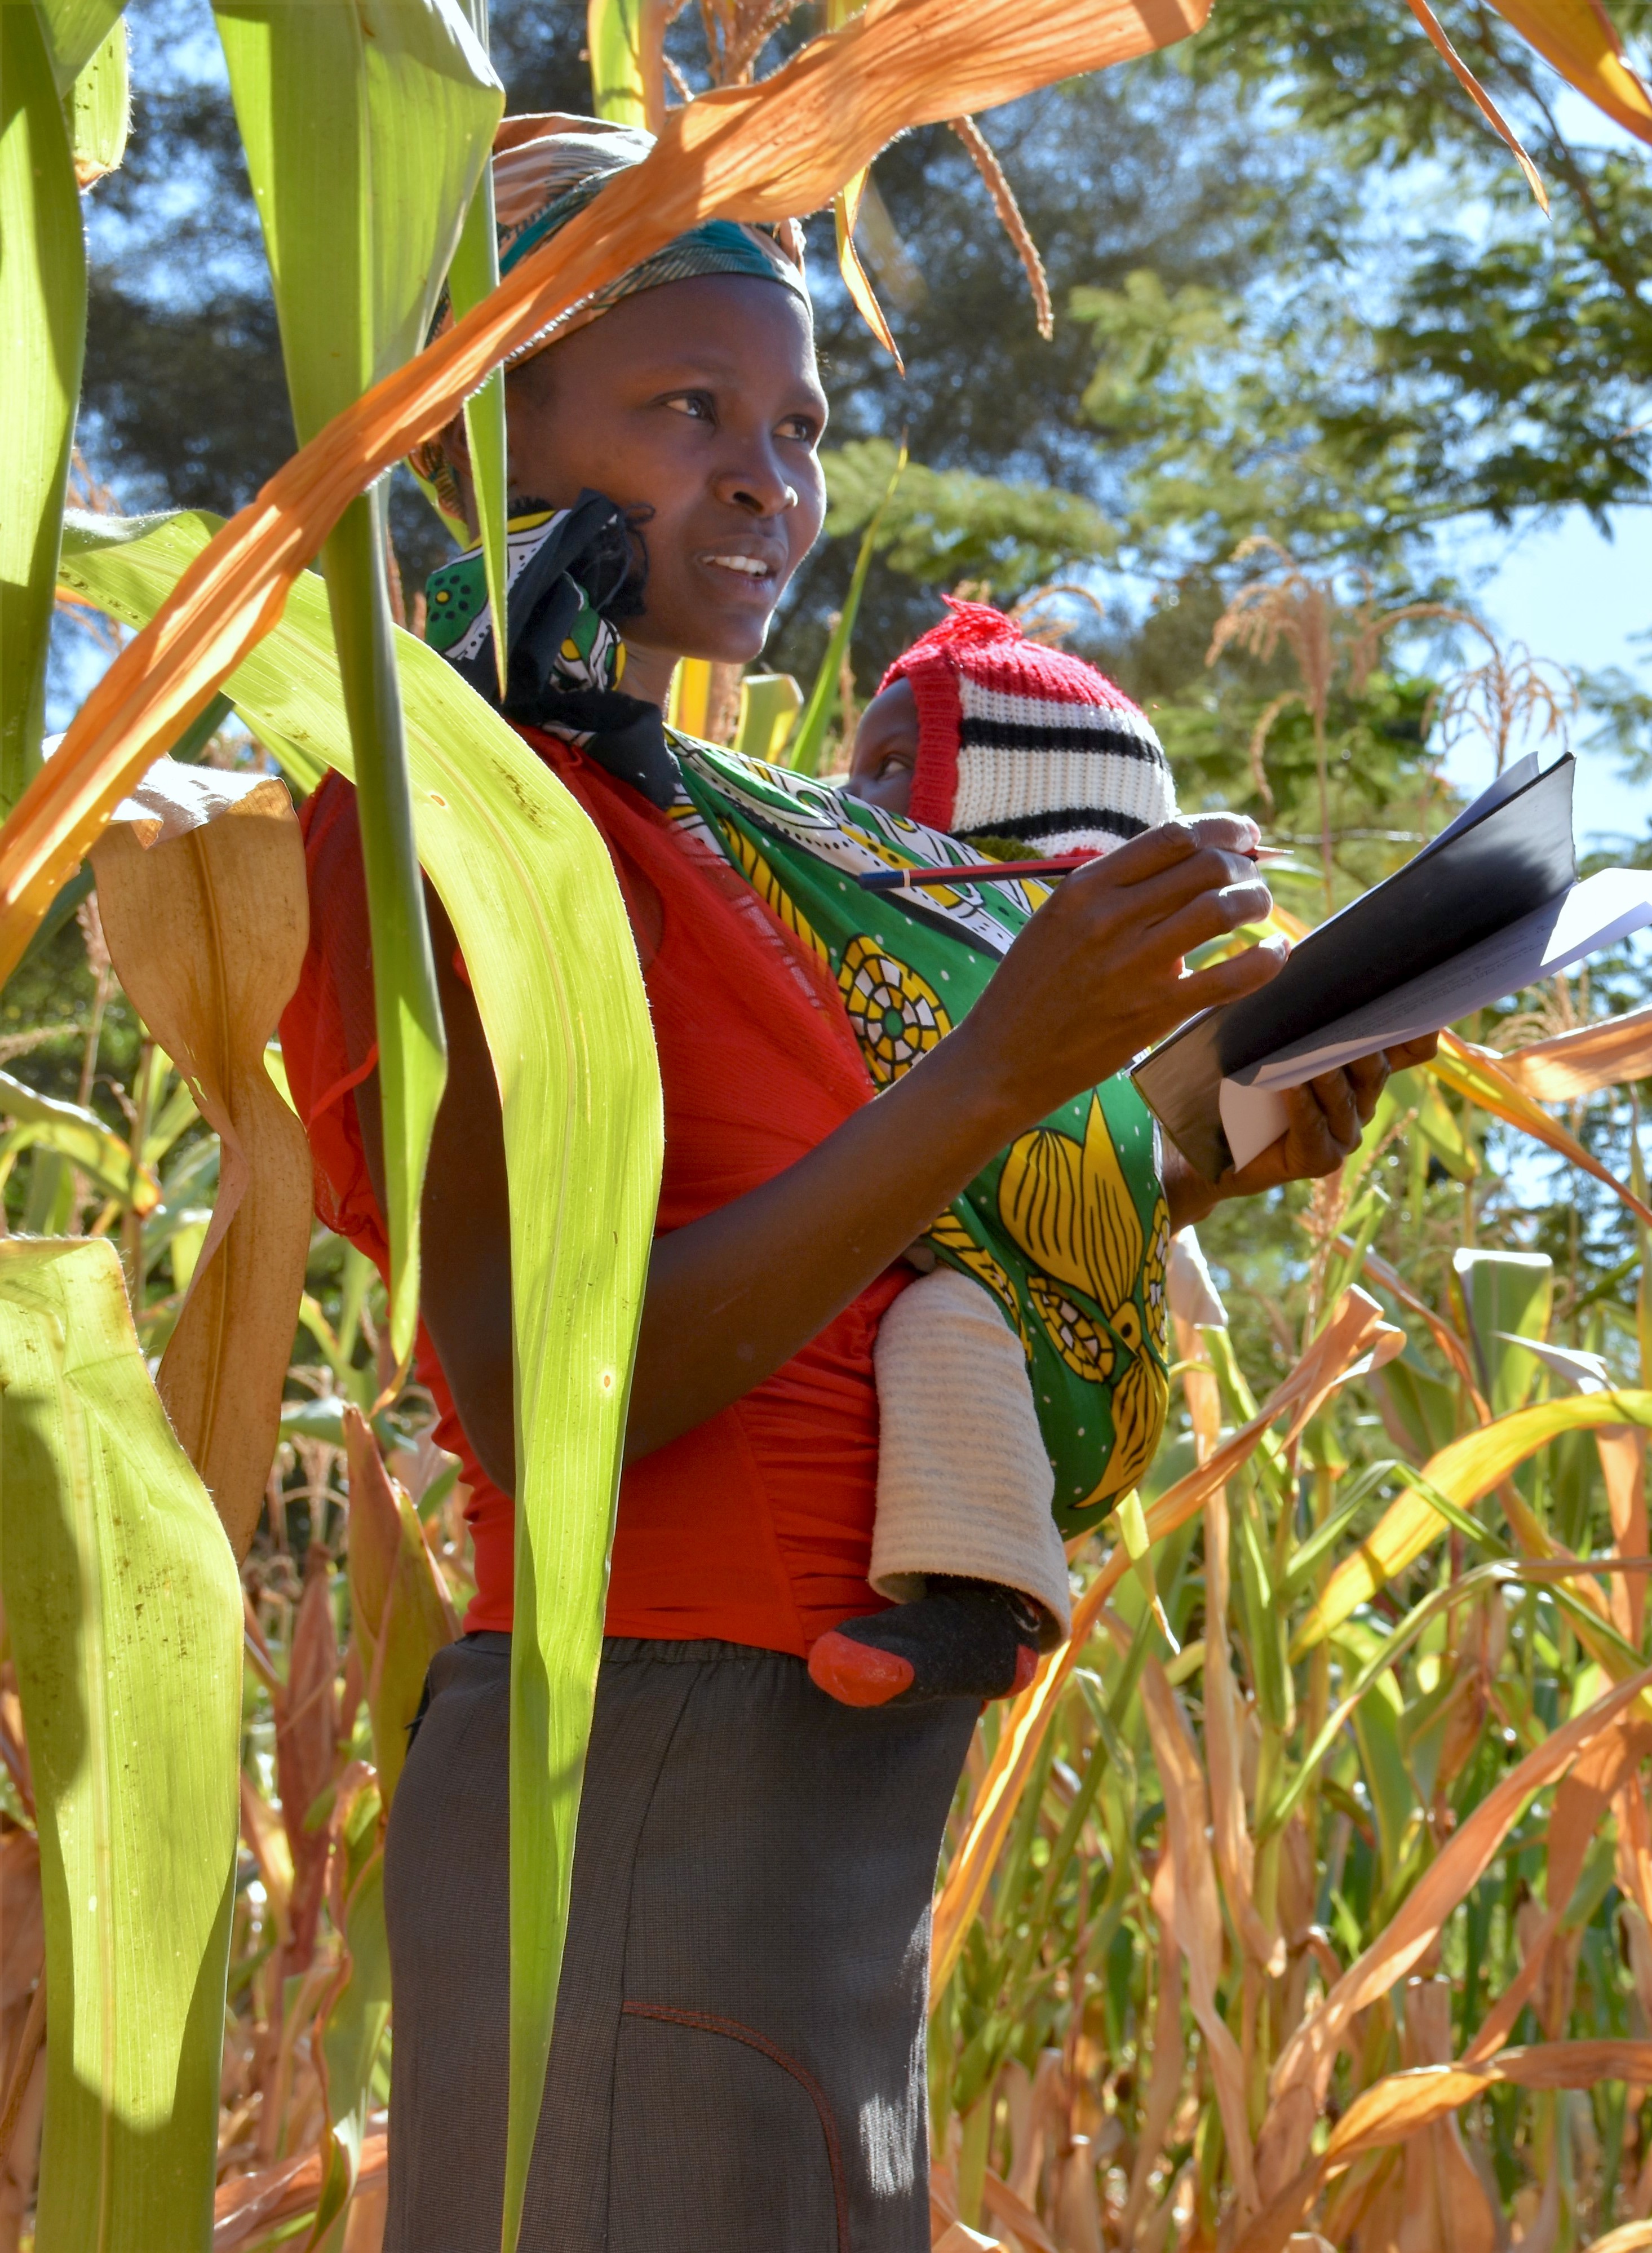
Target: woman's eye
[[695, 403], [800, 428]]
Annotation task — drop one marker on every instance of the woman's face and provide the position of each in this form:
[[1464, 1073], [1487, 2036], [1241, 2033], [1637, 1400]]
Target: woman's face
[[886, 750], [699, 406]]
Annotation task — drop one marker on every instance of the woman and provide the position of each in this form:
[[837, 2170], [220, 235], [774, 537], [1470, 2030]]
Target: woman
[[737, 2065]]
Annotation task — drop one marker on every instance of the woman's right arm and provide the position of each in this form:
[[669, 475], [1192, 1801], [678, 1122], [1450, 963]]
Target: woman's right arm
[[1095, 977]]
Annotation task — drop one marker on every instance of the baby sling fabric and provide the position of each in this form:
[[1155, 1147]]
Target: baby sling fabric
[[1068, 1228]]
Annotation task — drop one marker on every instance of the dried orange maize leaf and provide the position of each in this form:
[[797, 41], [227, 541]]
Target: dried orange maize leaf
[[399, 1613], [1584, 1060], [1578, 37], [750, 152], [201, 888]]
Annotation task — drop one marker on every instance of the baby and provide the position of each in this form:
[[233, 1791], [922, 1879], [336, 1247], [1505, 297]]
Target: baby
[[1022, 752]]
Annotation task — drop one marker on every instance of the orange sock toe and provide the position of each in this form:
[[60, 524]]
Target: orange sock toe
[[857, 1673]]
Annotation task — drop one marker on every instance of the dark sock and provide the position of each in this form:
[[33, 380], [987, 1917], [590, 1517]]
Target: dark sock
[[962, 1639]]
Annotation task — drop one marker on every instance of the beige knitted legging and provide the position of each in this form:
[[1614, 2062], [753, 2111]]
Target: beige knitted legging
[[963, 1482]]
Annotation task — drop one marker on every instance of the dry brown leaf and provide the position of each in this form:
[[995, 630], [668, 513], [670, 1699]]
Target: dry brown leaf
[[247, 2204], [206, 914], [1578, 37], [1405, 2102], [1198, 1912], [1584, 1060], [304, 1745], [1633, 2237], [1170, 2053], [1623, 1452], [1354, 1323], [1483, 1078], [1480, 99], [1302, 2071], [750, 152], [1443, 2202]]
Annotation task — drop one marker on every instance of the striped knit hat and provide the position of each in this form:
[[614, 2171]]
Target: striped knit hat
[[1019, 741]]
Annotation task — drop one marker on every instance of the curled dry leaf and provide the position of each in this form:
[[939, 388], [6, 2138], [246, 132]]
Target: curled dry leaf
[[750, 152], [1198, 1912], [1354, 1323], [1405, 2102], [1301, 2074], [1170, 2053], [201, 885]]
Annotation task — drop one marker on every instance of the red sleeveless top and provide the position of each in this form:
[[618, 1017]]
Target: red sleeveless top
[[755, 1527]]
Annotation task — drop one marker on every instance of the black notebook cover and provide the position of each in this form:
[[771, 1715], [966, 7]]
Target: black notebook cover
[[1449, 896]]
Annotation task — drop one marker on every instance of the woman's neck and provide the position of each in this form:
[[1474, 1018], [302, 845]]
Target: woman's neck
[[648, 672]]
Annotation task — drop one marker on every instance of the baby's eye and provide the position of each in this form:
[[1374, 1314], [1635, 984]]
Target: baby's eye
[[893, 763]]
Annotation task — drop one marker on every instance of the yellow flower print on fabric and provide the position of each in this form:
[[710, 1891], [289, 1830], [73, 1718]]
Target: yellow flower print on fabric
[[1069, 1207], [950, 1234], [763, 880], [897, 1015], [1153, 1276], [1140, 1402], [1082, 1343]]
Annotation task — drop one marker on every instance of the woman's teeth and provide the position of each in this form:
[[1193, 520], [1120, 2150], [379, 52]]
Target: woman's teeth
[[747, 564]]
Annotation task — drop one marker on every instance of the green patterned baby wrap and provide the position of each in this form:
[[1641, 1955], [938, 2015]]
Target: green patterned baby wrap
[[1068, 1228]]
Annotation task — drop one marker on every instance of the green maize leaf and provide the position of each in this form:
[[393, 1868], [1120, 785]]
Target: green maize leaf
[[770, 703], [1505, 1292], [43, 321], [1461, 1475], [100, 110], [80, 1136], [538, 916], [474, 273], [413, 1052], [1419, 1408], [614, 40], [367, 129], [75, 31], [806, 745], [125, 1612]]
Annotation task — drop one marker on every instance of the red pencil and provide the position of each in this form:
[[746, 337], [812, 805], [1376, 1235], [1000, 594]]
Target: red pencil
[[1005, 872]]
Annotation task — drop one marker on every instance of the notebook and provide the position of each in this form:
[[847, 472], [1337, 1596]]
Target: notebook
[[1489, 906]]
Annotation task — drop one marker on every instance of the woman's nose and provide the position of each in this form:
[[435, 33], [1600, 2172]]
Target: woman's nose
[[755, 483]]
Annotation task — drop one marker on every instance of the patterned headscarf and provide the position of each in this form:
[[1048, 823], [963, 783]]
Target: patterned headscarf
[[547, 168]]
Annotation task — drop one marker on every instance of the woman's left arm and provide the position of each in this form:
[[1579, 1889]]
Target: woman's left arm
[[1327, 1117]]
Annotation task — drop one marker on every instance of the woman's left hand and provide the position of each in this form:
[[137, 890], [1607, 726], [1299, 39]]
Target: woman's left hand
[[1327, 1116]]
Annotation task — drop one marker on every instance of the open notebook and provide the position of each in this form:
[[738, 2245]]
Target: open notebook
[[1490, 905]]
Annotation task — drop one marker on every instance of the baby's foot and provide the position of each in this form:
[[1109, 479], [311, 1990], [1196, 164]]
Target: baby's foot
[[963, 1639]]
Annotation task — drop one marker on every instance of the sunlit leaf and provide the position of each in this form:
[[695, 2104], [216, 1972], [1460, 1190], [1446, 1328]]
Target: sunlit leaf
[[201, 889], [367, 129], [1578, 37], [125, 1613], [538, 917], [1464, 1473], [42, 320]]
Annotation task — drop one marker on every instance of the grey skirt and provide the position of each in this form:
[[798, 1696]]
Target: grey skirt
[[738, 2060]]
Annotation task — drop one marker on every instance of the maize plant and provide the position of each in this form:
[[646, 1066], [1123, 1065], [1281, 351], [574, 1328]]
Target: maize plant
[[1307, 1890]]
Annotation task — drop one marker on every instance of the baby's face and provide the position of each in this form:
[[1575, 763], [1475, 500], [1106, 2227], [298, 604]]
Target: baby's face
[[886, 750]]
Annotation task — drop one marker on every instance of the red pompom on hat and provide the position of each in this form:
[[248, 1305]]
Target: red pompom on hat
[[1019, 741]]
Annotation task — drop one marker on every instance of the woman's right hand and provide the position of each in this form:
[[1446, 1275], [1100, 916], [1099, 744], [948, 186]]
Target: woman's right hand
[[1097, 976]]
